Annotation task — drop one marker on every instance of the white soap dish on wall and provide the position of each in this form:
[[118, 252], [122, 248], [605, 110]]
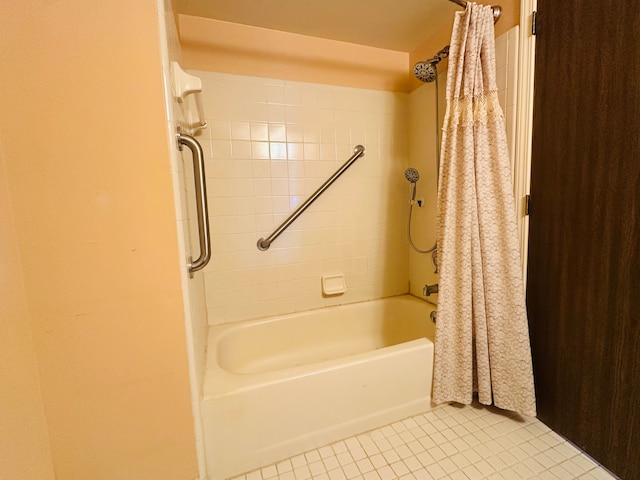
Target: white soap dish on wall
[[184, 85], [333, 284]]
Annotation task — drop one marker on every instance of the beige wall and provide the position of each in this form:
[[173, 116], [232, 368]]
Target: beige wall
[[241, 49], [84, 142], [232, 48], [24, 440]]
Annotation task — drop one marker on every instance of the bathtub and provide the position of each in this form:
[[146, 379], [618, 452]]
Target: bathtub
[[280, 386]]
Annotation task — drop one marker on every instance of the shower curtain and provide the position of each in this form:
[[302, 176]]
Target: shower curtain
[[482, 337]]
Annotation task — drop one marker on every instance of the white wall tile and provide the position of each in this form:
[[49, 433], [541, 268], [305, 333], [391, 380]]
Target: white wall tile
[[273, 144]]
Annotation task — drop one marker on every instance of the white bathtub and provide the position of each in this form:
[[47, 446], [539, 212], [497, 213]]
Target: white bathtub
[[280, 386]]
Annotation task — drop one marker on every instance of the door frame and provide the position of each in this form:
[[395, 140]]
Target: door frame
[[524, 127]]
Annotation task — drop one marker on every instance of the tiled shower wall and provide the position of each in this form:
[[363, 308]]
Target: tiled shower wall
[[269, 145]]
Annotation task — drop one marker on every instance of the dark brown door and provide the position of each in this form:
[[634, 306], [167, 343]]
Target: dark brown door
[[583, 291]]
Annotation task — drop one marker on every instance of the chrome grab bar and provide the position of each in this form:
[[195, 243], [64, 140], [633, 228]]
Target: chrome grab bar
[[265, 243], [201, 202]]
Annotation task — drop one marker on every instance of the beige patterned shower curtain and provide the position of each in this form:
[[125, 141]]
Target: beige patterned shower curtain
[[482, 335]]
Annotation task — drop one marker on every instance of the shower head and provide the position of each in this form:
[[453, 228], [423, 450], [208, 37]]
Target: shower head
[[412, 175], [425, 71]]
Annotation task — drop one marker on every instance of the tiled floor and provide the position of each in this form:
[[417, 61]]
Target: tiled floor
[[449, 442]]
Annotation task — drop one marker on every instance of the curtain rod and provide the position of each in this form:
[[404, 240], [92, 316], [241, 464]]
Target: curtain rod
[[497, 10]]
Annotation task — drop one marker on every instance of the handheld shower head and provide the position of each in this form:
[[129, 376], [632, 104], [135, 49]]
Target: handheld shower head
[[412, 175]]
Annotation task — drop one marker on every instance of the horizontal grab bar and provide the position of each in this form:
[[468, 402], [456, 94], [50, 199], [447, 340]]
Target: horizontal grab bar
[[265, 243]]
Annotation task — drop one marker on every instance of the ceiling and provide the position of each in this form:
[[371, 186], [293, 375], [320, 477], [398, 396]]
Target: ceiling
[[399, 25]]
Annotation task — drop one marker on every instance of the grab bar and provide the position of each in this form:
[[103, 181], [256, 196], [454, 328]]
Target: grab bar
[[201, 203], [265, 243]]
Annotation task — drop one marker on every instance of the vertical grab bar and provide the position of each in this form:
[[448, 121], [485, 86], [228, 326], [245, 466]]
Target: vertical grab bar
[[201, 203]]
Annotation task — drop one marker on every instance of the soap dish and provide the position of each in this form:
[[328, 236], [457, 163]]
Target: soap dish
[[333, 284]]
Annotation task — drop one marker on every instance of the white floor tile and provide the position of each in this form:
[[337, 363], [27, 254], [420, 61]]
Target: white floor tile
[[399, 468], [351, 470], [312, 456], [270, 471], [448, 442], [284, 466], [371, 476], [331, 462], [378, 460], [316, 468], [255, 475], [337, 474], [386, 473], [298, 461]]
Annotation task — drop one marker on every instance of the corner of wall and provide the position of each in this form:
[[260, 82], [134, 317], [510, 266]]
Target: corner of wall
[[195, 315]]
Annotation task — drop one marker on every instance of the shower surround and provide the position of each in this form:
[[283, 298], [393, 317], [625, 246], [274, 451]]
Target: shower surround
[[269, 145]]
